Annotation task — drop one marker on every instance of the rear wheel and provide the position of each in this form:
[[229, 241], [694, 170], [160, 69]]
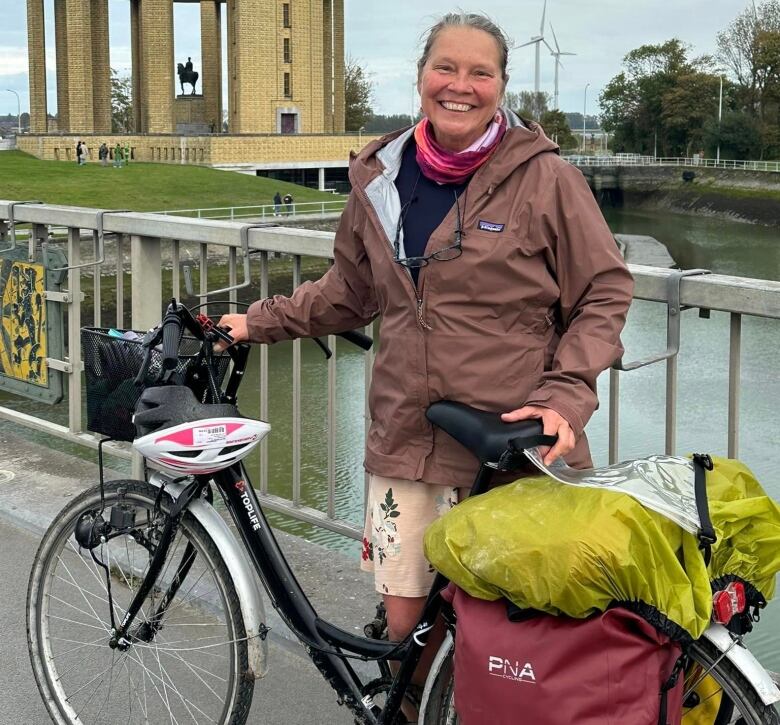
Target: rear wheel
[[438, 706], [190, 669]]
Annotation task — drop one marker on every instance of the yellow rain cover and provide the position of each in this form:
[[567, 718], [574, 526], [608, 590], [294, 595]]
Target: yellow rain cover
[[574, 550]]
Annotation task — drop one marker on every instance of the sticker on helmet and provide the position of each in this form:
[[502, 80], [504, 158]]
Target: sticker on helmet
[[209, 434]]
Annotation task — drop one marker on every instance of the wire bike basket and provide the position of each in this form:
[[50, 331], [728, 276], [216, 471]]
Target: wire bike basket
[[111, 364]]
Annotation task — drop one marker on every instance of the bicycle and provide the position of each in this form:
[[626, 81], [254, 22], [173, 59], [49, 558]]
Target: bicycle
[[143, 606]]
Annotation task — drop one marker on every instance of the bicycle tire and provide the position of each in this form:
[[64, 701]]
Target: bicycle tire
[[439, 706], [202, 629]]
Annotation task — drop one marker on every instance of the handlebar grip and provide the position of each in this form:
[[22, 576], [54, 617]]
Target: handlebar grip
[[357, 338], [171, 336]]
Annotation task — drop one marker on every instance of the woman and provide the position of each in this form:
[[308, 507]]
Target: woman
[[497, 281]]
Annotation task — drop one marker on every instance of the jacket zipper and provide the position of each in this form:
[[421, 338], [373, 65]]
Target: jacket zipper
[[420, 319]]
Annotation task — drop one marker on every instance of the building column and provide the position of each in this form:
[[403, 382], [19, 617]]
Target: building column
[[79, 29], [309, 87], [157, 85], [36, 44], [101, 68], [253, 62], [338, 64], [61, 50], [211, 54], [321, 178], [136, 66], [328, 70]]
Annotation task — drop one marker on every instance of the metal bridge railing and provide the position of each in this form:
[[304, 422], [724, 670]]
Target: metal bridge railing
[[140, 246], [636, 160], [263, 211]]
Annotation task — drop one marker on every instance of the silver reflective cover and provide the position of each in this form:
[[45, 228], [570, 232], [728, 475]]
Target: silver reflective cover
[[660, 483]]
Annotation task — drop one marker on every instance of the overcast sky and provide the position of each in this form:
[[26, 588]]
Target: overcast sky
[[384, 36]]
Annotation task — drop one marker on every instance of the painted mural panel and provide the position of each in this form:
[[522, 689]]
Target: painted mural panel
[[31, 327], [24, 330]]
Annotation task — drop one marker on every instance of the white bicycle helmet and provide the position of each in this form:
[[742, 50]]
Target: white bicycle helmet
[[177, 432]]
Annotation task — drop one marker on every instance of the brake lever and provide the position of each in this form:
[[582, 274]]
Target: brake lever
[[150, 339], [323, 347]]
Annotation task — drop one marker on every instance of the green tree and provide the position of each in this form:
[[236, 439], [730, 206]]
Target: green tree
[[686, 107], [385, 124], [557, 128], [640, 104], [738, 134], [749, 48], [528, 104], [358, 95], [121, 103]]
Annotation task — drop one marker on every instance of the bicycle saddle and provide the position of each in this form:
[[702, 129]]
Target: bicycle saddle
[[485, 434]]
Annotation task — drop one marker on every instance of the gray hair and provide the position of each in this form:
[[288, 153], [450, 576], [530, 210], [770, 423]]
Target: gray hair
[[467, 20]]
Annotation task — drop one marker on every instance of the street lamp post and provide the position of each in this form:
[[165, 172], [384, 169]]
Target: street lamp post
[[584, 110], [720, 115], [18, 111]]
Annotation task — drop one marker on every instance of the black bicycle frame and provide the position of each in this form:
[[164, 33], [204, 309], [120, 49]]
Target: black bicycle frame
[[323, 640]]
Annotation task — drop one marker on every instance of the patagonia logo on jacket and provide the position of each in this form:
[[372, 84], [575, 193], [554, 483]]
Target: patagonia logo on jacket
[[490, 226]]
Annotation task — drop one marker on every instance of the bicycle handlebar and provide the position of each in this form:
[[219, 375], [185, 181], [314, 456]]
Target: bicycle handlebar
[[171, 334], [358, 338]]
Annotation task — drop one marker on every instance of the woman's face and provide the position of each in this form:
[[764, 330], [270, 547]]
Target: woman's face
[[461, 86]]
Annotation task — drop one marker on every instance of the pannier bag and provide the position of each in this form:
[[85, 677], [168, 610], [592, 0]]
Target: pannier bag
[[609, 669], [578, 551]]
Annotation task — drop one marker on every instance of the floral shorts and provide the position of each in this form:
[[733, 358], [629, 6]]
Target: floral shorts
[[397, 514]]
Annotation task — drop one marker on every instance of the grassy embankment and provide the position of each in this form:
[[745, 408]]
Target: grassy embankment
[[138, 186], [151, 187]]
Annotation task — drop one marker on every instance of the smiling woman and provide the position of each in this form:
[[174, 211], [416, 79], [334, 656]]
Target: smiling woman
[[497, 282]]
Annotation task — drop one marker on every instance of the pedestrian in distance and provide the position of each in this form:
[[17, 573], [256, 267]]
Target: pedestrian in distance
[[118, 153], [79, 152], [497, 283], [103, 154], [126, 156], [288, 203], [277, 204]]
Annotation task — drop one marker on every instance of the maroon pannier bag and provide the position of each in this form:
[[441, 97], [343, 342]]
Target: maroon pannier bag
[[610, 669]]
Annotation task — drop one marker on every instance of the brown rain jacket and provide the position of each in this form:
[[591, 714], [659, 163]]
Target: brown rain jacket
[[531, 312]]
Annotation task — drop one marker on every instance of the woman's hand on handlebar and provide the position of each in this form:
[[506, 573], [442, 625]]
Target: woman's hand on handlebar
[[236, 325], [554, 424]]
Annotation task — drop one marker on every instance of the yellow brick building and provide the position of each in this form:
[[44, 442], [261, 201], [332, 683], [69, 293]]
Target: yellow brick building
[[285, 67]]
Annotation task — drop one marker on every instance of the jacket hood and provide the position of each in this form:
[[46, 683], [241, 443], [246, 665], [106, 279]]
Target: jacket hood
[[523, 141]]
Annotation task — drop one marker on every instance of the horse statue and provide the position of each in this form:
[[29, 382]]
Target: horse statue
[[187, 75]]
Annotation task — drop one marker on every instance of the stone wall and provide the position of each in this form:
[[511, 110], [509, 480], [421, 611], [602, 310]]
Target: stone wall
[[751, 196], [208, 149]]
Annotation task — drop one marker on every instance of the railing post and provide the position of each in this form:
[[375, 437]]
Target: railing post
[[735, 358], [146, 297], [614, 415], [74, 330]]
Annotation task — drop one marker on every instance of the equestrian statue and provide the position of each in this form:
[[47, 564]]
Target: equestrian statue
[[187, 75]]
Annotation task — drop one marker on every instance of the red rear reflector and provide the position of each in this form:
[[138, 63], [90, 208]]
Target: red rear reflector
[[728, 602]]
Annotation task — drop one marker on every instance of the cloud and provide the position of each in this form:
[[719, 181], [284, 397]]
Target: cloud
[[13, 61]]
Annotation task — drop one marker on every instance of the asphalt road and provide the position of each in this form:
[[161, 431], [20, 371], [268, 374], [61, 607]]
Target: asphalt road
[[292, 693]]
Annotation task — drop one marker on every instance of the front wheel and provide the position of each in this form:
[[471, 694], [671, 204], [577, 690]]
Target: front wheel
[[188, 664], [737, 701]]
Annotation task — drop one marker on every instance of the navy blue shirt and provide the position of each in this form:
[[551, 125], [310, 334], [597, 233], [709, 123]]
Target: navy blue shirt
[[428, 204]]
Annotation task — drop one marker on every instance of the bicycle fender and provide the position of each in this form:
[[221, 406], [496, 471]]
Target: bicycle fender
[[249, 597], [745, 662], [445, 651]]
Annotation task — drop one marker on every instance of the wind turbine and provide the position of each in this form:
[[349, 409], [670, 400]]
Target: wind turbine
[[538, 40], [557, 53]]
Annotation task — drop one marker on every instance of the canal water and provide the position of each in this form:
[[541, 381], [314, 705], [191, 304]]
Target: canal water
[[722, 247]]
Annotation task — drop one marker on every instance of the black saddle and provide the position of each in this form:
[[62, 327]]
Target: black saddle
[[485, 434]]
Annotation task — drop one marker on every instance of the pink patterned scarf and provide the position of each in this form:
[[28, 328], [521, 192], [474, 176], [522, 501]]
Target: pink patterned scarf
[[451, 167]]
